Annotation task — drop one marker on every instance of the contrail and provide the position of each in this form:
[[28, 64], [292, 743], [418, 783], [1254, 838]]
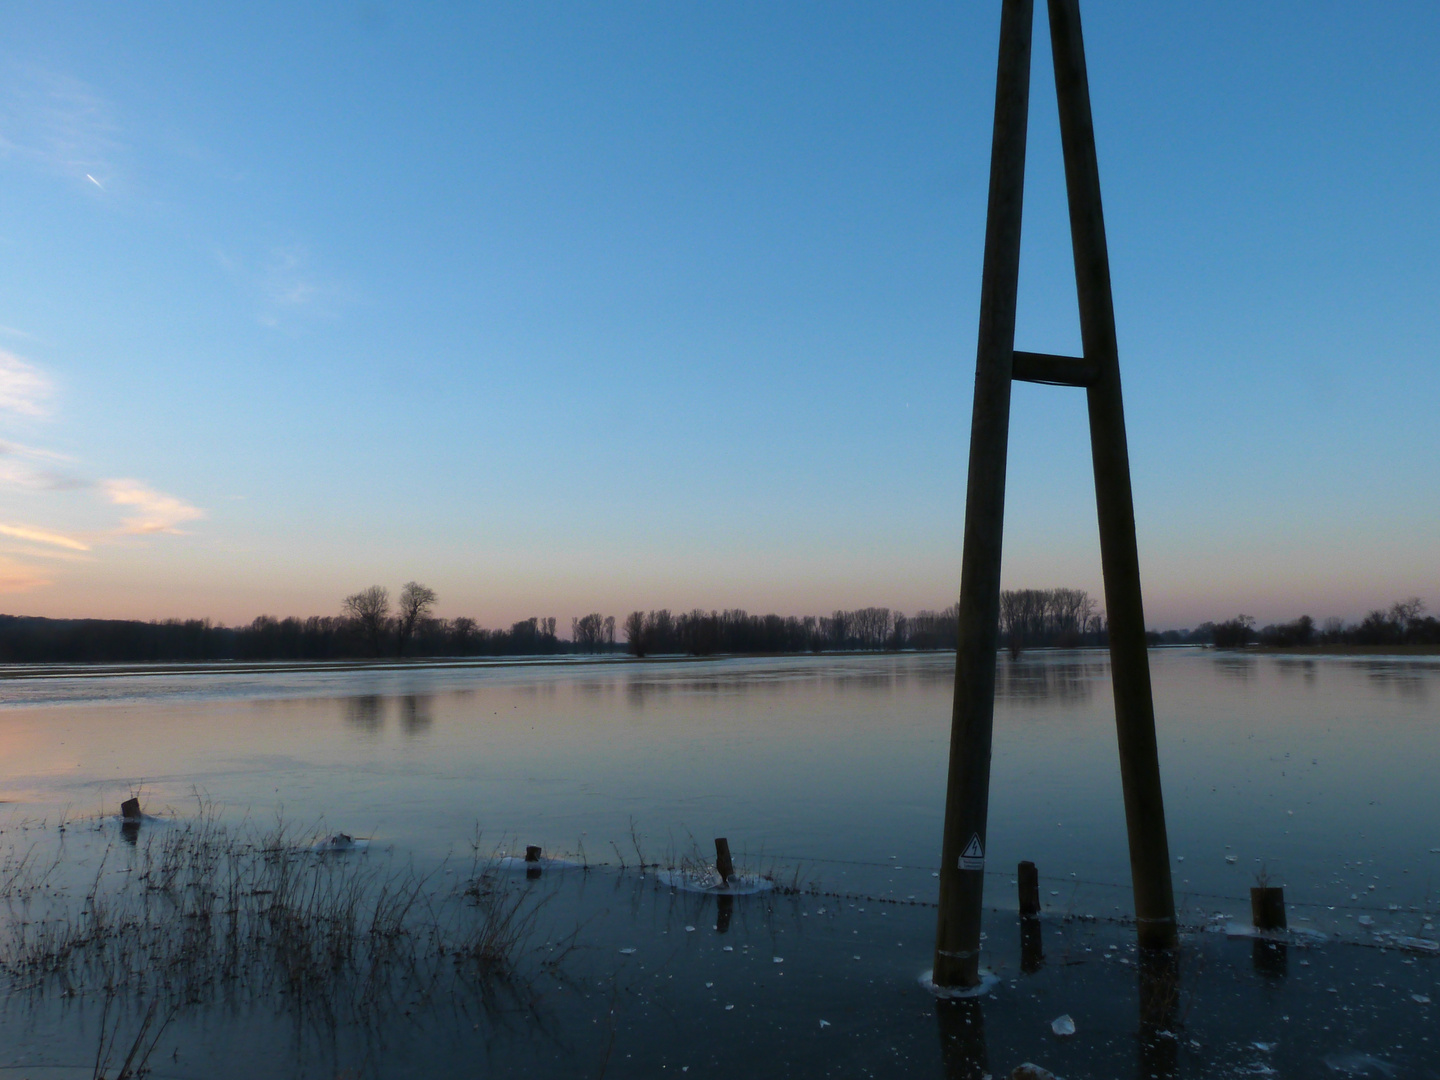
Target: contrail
[[94, 181]]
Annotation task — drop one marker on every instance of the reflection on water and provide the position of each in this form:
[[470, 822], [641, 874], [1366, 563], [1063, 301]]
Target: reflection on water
[[1053, 678], [1236, 666], [1317, 768], [415, 718], [1403, 679], [963, 1053], [365, 713]]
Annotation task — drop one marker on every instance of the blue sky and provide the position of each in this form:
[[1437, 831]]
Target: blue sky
[[595, 307]]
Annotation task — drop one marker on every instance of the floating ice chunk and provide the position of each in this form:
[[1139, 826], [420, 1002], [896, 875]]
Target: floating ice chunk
[[709, 985], [627, 952], [728, 1008], [689, 929], [824, 1023], [777, 959], [1420, 999], [1062, 1025], [1264, 1048], [1232, 858], [1358, 1065], [855, 957], [1365, 920]]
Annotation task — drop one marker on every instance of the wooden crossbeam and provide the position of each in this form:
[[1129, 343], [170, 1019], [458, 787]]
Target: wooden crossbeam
[[1054, 370]]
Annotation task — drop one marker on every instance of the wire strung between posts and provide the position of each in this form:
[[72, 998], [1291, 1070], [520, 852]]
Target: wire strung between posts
[[1185, 894]]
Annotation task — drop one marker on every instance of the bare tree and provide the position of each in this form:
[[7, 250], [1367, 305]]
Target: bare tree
[[588, 632], [635, 632], [416, 602], [369, 609]]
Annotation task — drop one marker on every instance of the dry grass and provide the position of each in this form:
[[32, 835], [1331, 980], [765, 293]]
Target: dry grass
[[198, 911]]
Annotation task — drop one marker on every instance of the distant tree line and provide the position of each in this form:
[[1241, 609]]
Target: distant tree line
[[1403, 623], [705, 633], [367, 627], [1054, 618]]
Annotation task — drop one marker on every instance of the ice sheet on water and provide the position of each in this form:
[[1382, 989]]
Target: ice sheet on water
[[708, 881], [545, 862], [1295, 935], [988, 981], [340, 842], [1407, 942], [1356, 1064]]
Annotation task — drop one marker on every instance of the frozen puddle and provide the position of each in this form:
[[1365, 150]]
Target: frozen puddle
[[708, 881]]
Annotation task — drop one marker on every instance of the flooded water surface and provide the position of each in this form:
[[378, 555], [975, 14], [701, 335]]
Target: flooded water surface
[[827, 775]]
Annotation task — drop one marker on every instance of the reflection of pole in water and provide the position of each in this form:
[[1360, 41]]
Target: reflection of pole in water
[[1159, 1013], [962, 1039], [1271, 959], [1032, 950], [364, 713], [415, 713], [724, 908]]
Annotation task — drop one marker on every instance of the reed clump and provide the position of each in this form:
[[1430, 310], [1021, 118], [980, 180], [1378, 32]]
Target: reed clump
[[198, 910]]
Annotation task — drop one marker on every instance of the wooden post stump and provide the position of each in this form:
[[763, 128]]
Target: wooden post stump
[[1267, 907], [723, 863], [1029, 879], [532, 852], [130, 810]]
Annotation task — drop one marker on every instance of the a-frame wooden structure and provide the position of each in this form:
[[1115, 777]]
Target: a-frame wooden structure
[[957, 947]]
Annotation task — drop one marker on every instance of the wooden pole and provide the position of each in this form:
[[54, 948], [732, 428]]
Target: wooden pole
[[962, 864], [1267, 907], [1119, 557], [1028, 879], [724, 865]]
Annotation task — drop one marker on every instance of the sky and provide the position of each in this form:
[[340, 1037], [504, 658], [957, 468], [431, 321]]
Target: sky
[[595, 307]]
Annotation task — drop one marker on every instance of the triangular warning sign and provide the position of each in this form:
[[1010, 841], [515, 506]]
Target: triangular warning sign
[[973, 850]]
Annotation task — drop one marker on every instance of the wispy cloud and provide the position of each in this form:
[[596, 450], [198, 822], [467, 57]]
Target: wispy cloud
[[58, 123], [23, 388], [16, 577], [156, 512], [43, 536], [290, 284], [30, 472], [17, 469]]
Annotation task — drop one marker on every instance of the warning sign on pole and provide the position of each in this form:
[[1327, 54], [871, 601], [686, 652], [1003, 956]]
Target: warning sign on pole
[[973, 857]]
